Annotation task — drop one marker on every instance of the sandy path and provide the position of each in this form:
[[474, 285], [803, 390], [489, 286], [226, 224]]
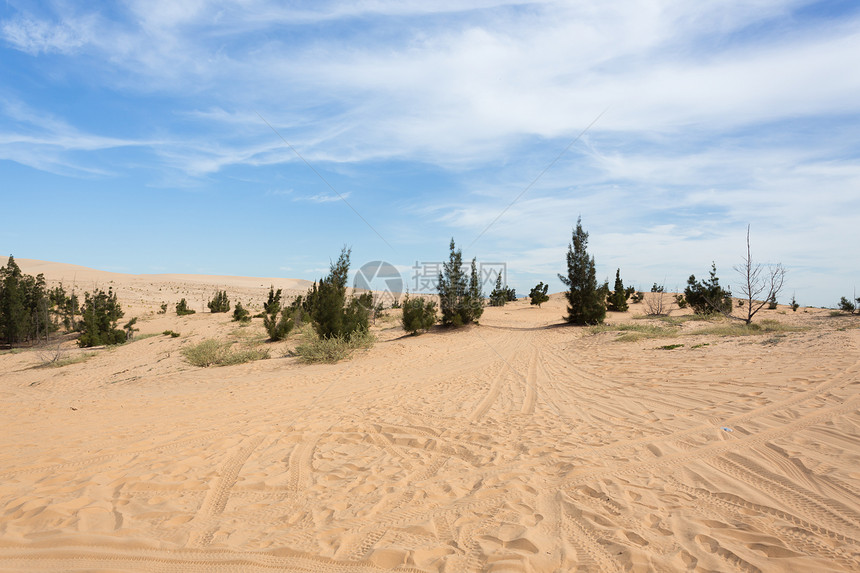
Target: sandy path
[[512, 446]]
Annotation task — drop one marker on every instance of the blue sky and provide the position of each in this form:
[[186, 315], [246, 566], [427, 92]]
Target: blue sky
[[132, 136]]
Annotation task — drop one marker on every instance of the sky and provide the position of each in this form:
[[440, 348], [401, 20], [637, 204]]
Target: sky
[[259, 138]]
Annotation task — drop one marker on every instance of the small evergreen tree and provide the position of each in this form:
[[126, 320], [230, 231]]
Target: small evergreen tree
[[794, 305], [26, 309], [333, 315], [129, 328], [182, 308], [100, 314], [538, 294], [618, 298], [277, 322], [771, 302], [708, 297], [585, 303], [241, 314], [220, 303], [461, 300], [499, 295], [418, 314], [846, 305], [680, 301]]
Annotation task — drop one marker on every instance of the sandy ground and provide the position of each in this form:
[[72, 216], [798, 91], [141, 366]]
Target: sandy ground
[[512, 446]]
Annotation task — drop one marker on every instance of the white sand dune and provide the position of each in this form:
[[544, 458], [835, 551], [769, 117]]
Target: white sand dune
[[511, 446]]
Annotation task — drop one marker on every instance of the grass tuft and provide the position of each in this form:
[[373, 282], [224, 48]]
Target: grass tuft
[[736, 328], [634, 332], [211, 352], [315, 350]]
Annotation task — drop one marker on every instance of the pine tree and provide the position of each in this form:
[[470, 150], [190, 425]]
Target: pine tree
[[708, 297], [14, 321], [461, 299], [474, 303], [277, 322], [418, 314], [220, 303], [241, 314], [333, 315], [452, 288], [182, 308], [499, 296], [538, 294], [618, 298], [100, 314], [585, 303]]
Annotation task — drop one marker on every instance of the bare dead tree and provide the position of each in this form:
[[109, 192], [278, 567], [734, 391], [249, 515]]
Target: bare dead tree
[[657, 302], [759, 283]]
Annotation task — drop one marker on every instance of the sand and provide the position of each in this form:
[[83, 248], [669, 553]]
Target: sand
[[512, 446]]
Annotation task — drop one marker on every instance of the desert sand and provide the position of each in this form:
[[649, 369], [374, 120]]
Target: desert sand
[[516, 445]]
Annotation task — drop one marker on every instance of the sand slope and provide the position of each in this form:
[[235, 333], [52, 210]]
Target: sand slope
[[512, 446]]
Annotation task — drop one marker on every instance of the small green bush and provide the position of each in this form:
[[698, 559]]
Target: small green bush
[[182, 308], [220, 303], [170, 333], [418, 314], [163, 308], [241, 314], [211, 352], [538, 294], [670, 347]]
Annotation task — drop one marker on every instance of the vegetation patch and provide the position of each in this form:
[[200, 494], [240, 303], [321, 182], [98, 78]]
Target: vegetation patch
[[315, 350], [170, 333], [742, 329], [66, 360], [634, 332], [211, 352], [670, 347]]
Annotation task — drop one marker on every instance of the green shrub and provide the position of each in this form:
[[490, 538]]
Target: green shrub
[[617, 301], [163, 308], [333, 314], [241, 314], [170, 333], [100, 315], [794, 305], [418, 314], [538, 294], [182, 308], [220, 303], [846, 305], [680, 301], [708, 297], [211, 352]]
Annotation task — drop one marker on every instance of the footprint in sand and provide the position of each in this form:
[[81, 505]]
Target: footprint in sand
[[98, 519]]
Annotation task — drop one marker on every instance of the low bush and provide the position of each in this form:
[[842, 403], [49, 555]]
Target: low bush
[[314, 350], [241, 314], [182, 308], [220, 303], [211, 352], [418, 314]]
